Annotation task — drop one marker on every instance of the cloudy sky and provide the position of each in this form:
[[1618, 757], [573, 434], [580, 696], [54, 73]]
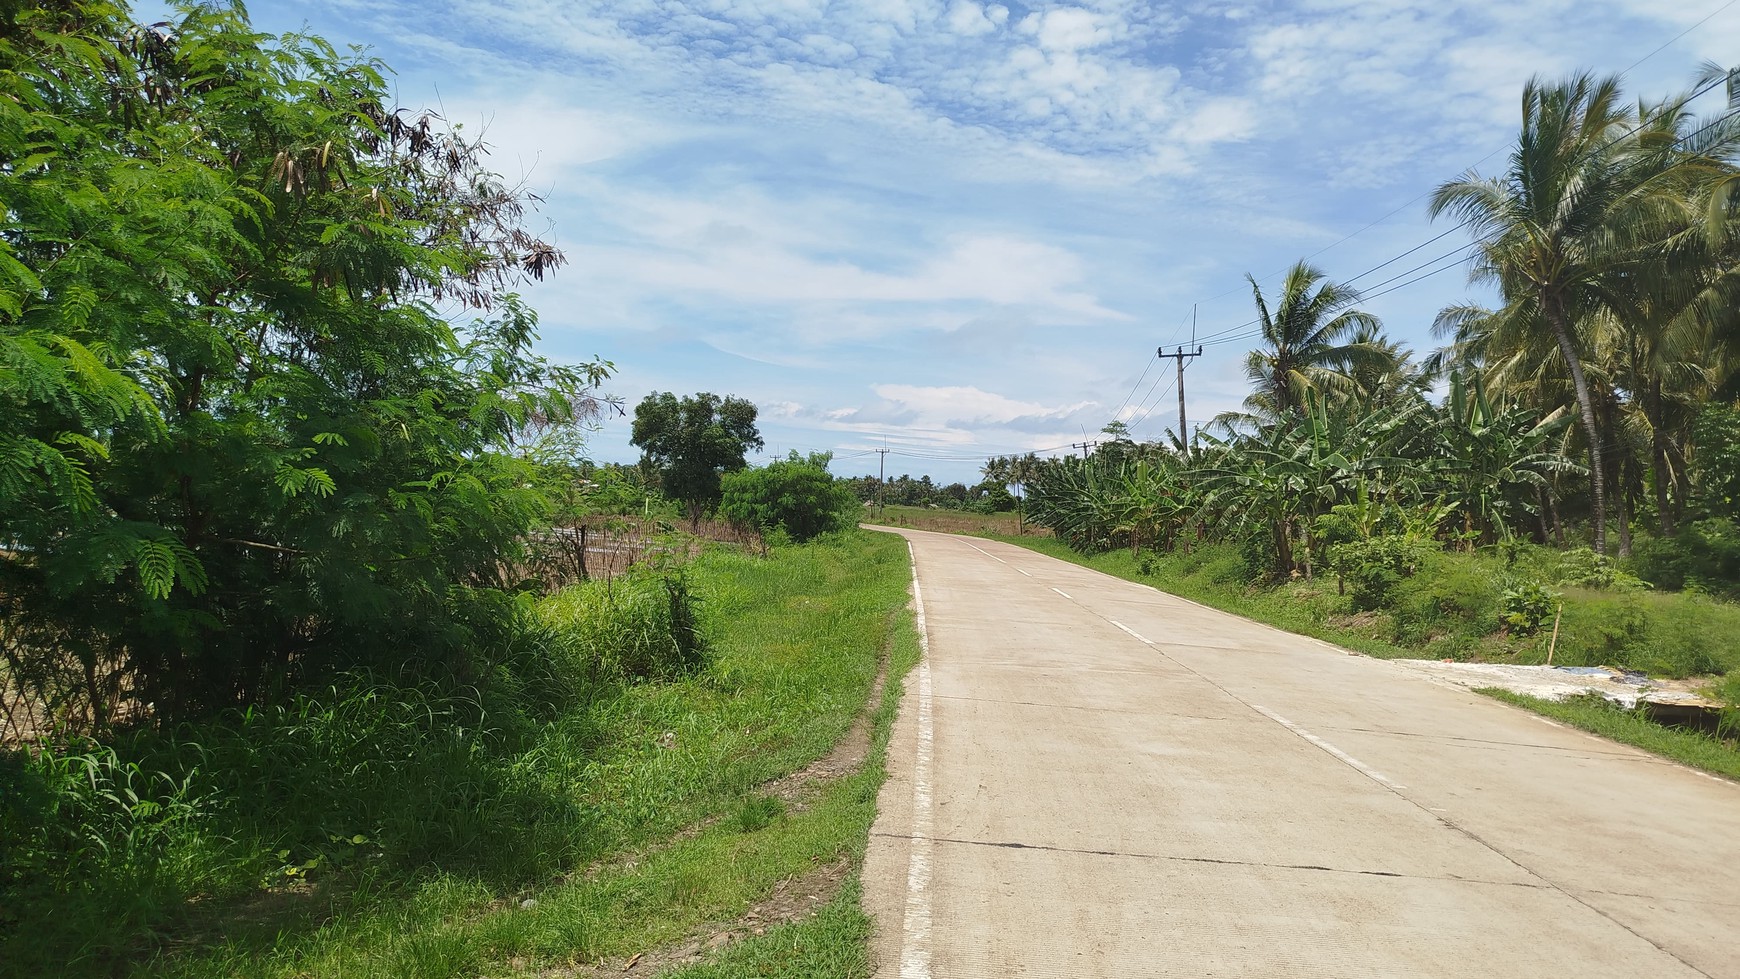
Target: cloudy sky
[[955, 228]]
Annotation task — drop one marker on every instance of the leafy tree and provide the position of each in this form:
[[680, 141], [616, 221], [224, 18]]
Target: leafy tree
[[690, 443], [239, 446], [1716, 469], [795, 495]]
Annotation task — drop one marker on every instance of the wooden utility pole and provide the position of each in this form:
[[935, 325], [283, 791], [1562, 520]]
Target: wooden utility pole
[[1083, 446]]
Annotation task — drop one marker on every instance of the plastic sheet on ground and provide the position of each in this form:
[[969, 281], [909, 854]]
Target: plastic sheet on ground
[[1558, 682]]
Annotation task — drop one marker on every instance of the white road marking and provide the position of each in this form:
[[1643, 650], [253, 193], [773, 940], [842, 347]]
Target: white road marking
[[915, 951], [1139, 636], [985, 552], [1065, 594], [1023, 572], [1351, 761]]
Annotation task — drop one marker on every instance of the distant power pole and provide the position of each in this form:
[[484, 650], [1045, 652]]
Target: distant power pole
[[881, 461], [1083, 446], [1181, 355]]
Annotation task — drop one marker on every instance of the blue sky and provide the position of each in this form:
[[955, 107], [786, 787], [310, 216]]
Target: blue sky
[[958, 229]]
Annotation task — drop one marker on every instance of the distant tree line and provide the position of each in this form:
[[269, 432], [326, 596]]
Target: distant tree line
[[987, 496]]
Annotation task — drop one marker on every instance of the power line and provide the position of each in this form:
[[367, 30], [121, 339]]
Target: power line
[[1145, 369], [1676, 37], [1151, 408], [1419, 197], [1236, 333]]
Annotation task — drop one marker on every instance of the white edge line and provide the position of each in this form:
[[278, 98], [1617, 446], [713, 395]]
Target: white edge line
[[915, 949], [1348, 759]]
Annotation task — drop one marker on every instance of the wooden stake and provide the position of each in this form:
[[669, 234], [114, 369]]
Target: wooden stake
[[1554, 644]]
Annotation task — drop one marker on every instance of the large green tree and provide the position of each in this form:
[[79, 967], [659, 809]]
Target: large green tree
[[1595, 195], [240, 443], [691, 442]]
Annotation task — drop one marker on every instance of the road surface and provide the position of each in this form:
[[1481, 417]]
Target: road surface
[[1092, 778]]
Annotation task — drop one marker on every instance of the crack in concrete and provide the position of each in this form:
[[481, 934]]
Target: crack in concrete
[[1581, 752], [1175, 858], [1105, 710], [1544, 885]]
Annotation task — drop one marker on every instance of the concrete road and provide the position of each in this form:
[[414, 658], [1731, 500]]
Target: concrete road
[[1092, 778]]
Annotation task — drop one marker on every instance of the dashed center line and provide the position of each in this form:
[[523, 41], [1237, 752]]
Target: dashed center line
[[1346, 758], [1060, 591], [1139, 637]]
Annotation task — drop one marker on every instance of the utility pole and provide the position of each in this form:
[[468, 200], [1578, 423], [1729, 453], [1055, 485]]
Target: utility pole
[[881, 461], [1181, 355], [1083, 446]]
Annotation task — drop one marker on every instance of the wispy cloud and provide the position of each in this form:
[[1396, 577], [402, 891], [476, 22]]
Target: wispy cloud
[[962, 225]]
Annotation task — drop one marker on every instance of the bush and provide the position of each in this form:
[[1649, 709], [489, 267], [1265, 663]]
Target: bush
[[1374, 566], [640, 626], [1582, 567], [101, 846], [795, 496], [1602, 629], [1449, 594], [1703, 556], [1526, 607]]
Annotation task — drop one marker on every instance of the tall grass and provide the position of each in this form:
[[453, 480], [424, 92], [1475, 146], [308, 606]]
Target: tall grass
[[321, 830]]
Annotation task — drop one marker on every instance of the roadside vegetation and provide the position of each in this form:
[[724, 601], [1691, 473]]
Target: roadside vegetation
[[1560, 482], [324, 649], [392, 829], [945, 521]]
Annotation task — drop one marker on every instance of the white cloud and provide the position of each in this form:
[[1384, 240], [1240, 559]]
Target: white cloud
[[971, 225]]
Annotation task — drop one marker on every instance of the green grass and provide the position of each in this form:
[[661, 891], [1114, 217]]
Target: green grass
[[574, 808], [1598, 715], [832, 944]]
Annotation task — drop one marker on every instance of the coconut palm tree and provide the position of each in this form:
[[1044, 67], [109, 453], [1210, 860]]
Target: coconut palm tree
[[1313, 340], [1582, 207]]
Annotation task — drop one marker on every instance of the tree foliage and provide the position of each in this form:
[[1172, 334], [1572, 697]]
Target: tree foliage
[[240, 443], [796, 495], [1610, 238], [691, 442], [1323, 487]]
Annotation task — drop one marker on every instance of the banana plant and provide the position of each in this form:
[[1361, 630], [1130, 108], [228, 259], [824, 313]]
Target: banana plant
[[1489, 459]]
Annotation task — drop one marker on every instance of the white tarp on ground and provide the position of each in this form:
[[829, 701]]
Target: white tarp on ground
[[1557, 683]]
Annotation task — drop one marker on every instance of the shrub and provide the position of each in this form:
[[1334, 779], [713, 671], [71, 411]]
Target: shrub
[[1602, 628], [1703, 556], [1581, 567], [1450, 593], [795, 496], [1375, 565], [1526, 607], [639, 626]]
